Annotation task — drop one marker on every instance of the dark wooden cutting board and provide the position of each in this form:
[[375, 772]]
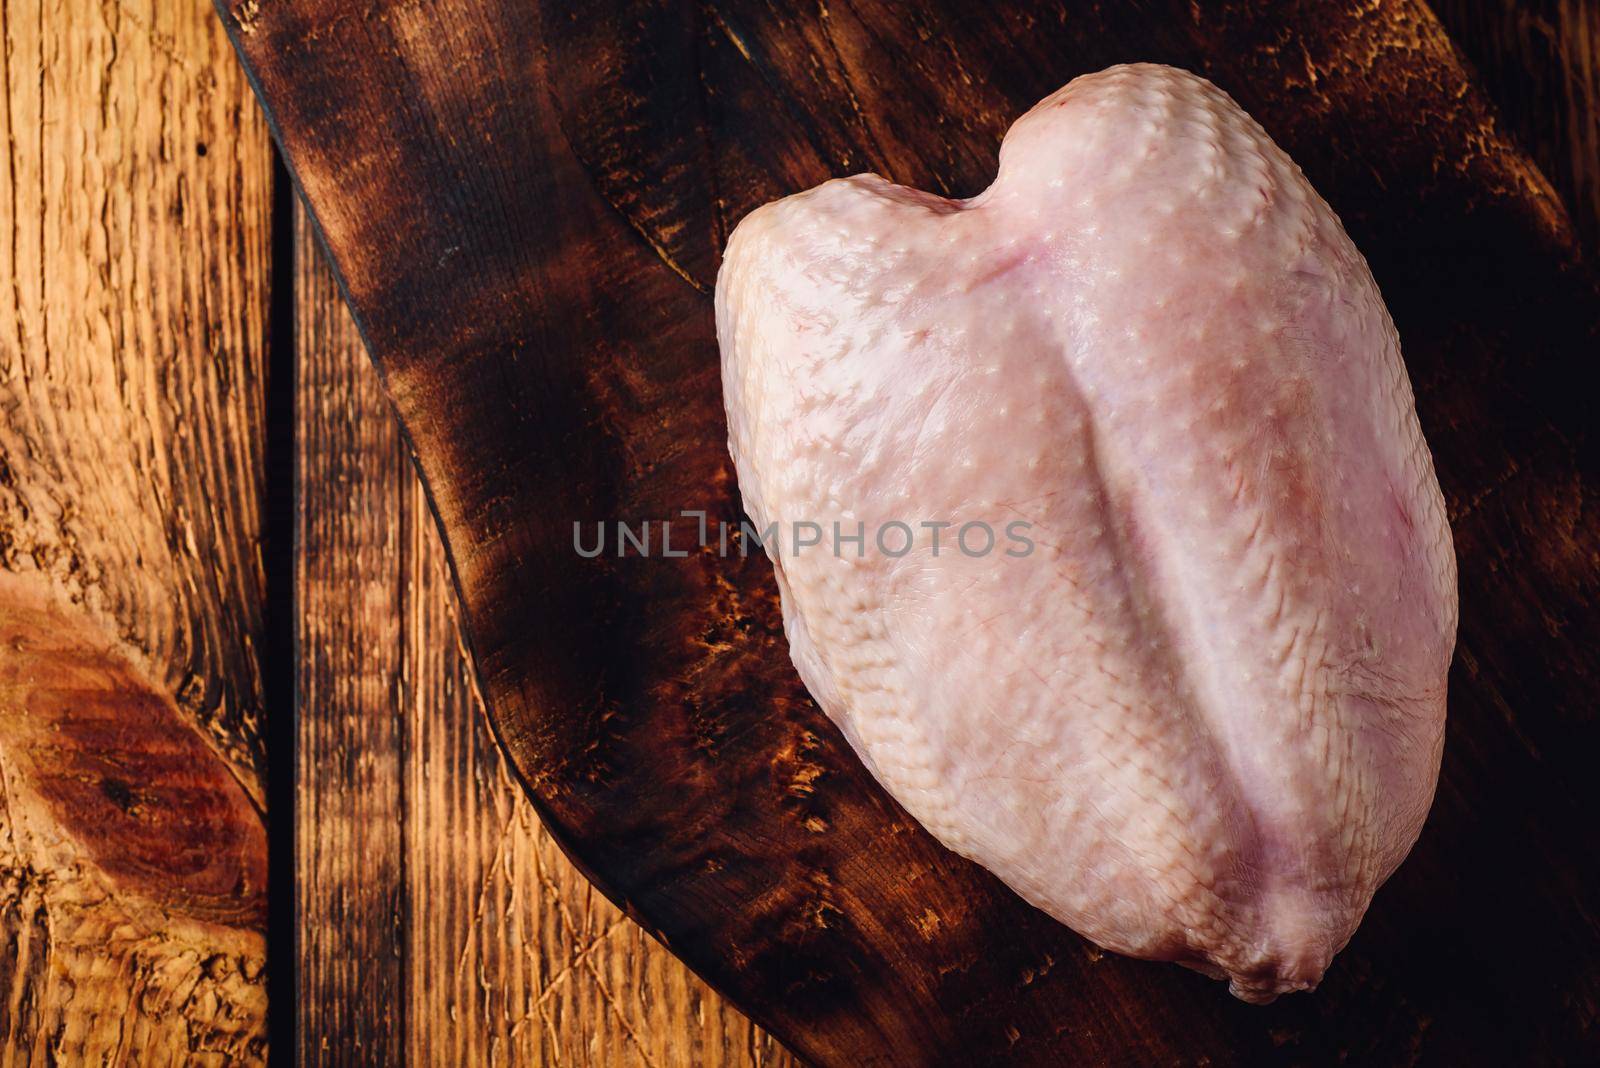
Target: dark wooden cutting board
[[526, 206]]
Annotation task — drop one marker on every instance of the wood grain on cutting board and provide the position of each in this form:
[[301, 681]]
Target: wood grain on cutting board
[[1540, 62]]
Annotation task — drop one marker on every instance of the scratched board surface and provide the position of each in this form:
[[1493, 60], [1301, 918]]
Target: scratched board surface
[[526, 205]]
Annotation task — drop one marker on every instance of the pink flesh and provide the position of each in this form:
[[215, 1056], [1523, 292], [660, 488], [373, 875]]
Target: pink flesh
[[1202, 720]]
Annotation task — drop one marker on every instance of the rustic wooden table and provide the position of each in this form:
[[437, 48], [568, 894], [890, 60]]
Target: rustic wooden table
[[194, 452], [207, 507]]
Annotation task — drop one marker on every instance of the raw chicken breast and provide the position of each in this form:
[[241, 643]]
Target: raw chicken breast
[[1191, 702]]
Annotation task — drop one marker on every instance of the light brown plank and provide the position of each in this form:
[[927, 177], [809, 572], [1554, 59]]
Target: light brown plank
[[424, 869], [135, 198]]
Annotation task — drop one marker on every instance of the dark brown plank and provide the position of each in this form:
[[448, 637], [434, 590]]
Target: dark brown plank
[[526, 204], [439, 924], [135, 192]]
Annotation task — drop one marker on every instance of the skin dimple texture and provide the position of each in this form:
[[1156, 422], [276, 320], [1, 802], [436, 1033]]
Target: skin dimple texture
[[1201, 721]]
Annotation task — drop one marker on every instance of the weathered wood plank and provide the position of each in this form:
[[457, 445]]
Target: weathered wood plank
[[439, 924], [351, 639], [134, 216], [525, 202]]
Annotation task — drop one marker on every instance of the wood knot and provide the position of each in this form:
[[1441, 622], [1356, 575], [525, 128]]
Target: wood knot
[[91, 749]]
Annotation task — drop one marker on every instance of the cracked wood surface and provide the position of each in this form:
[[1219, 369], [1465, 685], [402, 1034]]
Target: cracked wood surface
[[526, 202], [440, 924], [134, 218]]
